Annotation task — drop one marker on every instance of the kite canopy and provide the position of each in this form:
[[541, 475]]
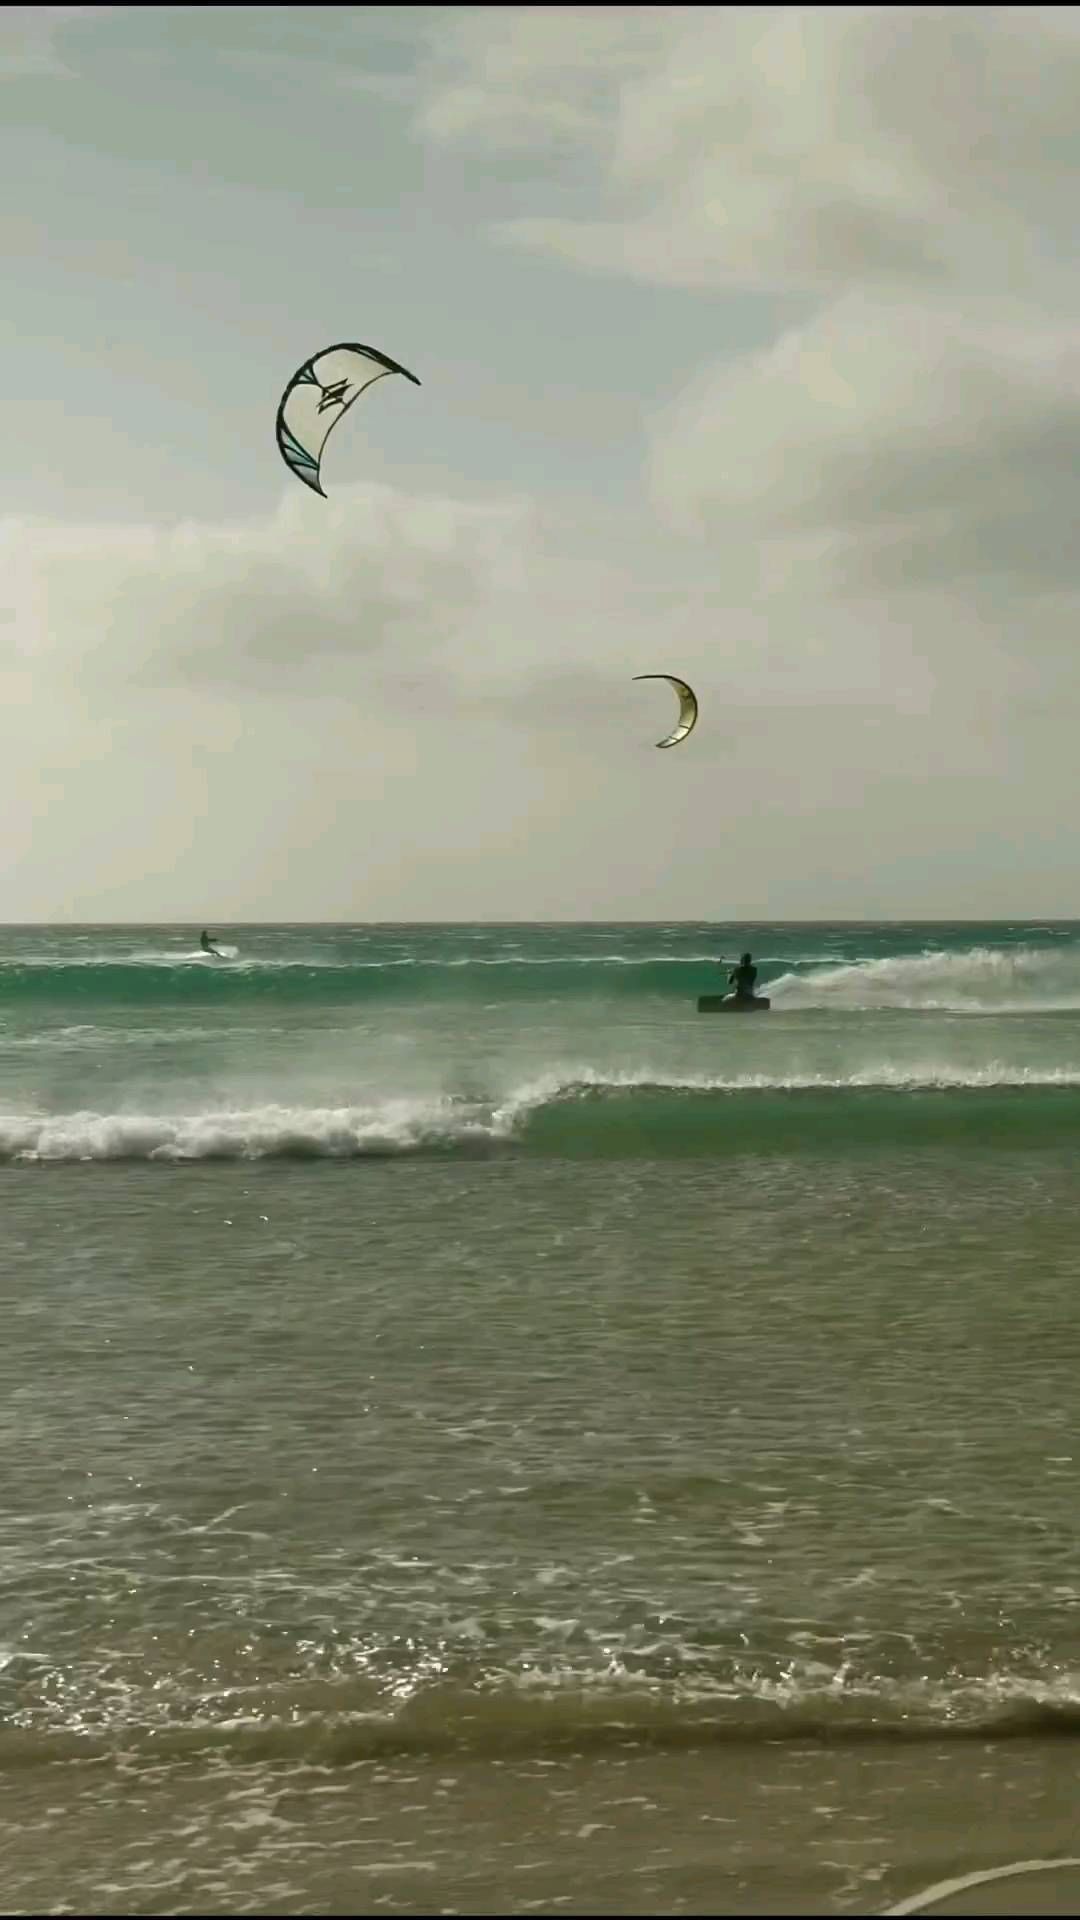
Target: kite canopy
[[318, 395], [688, 706]]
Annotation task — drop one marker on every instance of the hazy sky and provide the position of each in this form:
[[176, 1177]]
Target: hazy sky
[[750, 352]]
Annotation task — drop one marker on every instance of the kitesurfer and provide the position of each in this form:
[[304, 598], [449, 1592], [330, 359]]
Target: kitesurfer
[[742, 978], [207, 946]]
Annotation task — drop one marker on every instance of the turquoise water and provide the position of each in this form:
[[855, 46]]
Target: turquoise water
[[431, 1348], [554, 1040]]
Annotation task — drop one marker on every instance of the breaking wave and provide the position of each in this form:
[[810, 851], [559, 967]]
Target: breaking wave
[[979, 980], [585, 1114], [1007, 979], [553, 1713]]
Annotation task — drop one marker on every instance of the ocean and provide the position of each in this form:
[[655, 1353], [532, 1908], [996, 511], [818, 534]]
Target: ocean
[[481, 1437]]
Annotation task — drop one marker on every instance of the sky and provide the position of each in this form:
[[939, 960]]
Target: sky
[[749, 352]]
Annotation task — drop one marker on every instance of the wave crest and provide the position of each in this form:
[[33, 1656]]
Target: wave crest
[[580, 1111], [979, 980], [557, 1713]]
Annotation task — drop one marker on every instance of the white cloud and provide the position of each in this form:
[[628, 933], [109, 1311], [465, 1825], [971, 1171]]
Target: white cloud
[[31, 38], [891, 445], [509, 610], [469, 740], [858, 541], [548, 76], [793, 147], [442, 685], [371, 573], [908, 173]]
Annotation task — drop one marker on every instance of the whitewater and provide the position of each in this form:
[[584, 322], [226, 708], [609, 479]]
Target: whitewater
[[477, 1427], [352, 1042]]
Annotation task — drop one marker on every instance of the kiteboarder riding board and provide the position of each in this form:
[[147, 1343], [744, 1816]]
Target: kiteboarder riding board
[[744, 999]]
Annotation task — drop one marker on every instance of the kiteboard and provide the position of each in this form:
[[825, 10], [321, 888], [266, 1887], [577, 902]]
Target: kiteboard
[[727, 1003]]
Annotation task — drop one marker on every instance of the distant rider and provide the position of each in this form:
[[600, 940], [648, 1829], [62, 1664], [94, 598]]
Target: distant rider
[[742, 978], [205, 944]]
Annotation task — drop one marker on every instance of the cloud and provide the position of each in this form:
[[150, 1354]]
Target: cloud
[[385, 702], [30, 38], [446, 722], [908, 176], [812, 148], [280, 602], [519, 611], [505, 77], [890, 445], [856, 539]]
